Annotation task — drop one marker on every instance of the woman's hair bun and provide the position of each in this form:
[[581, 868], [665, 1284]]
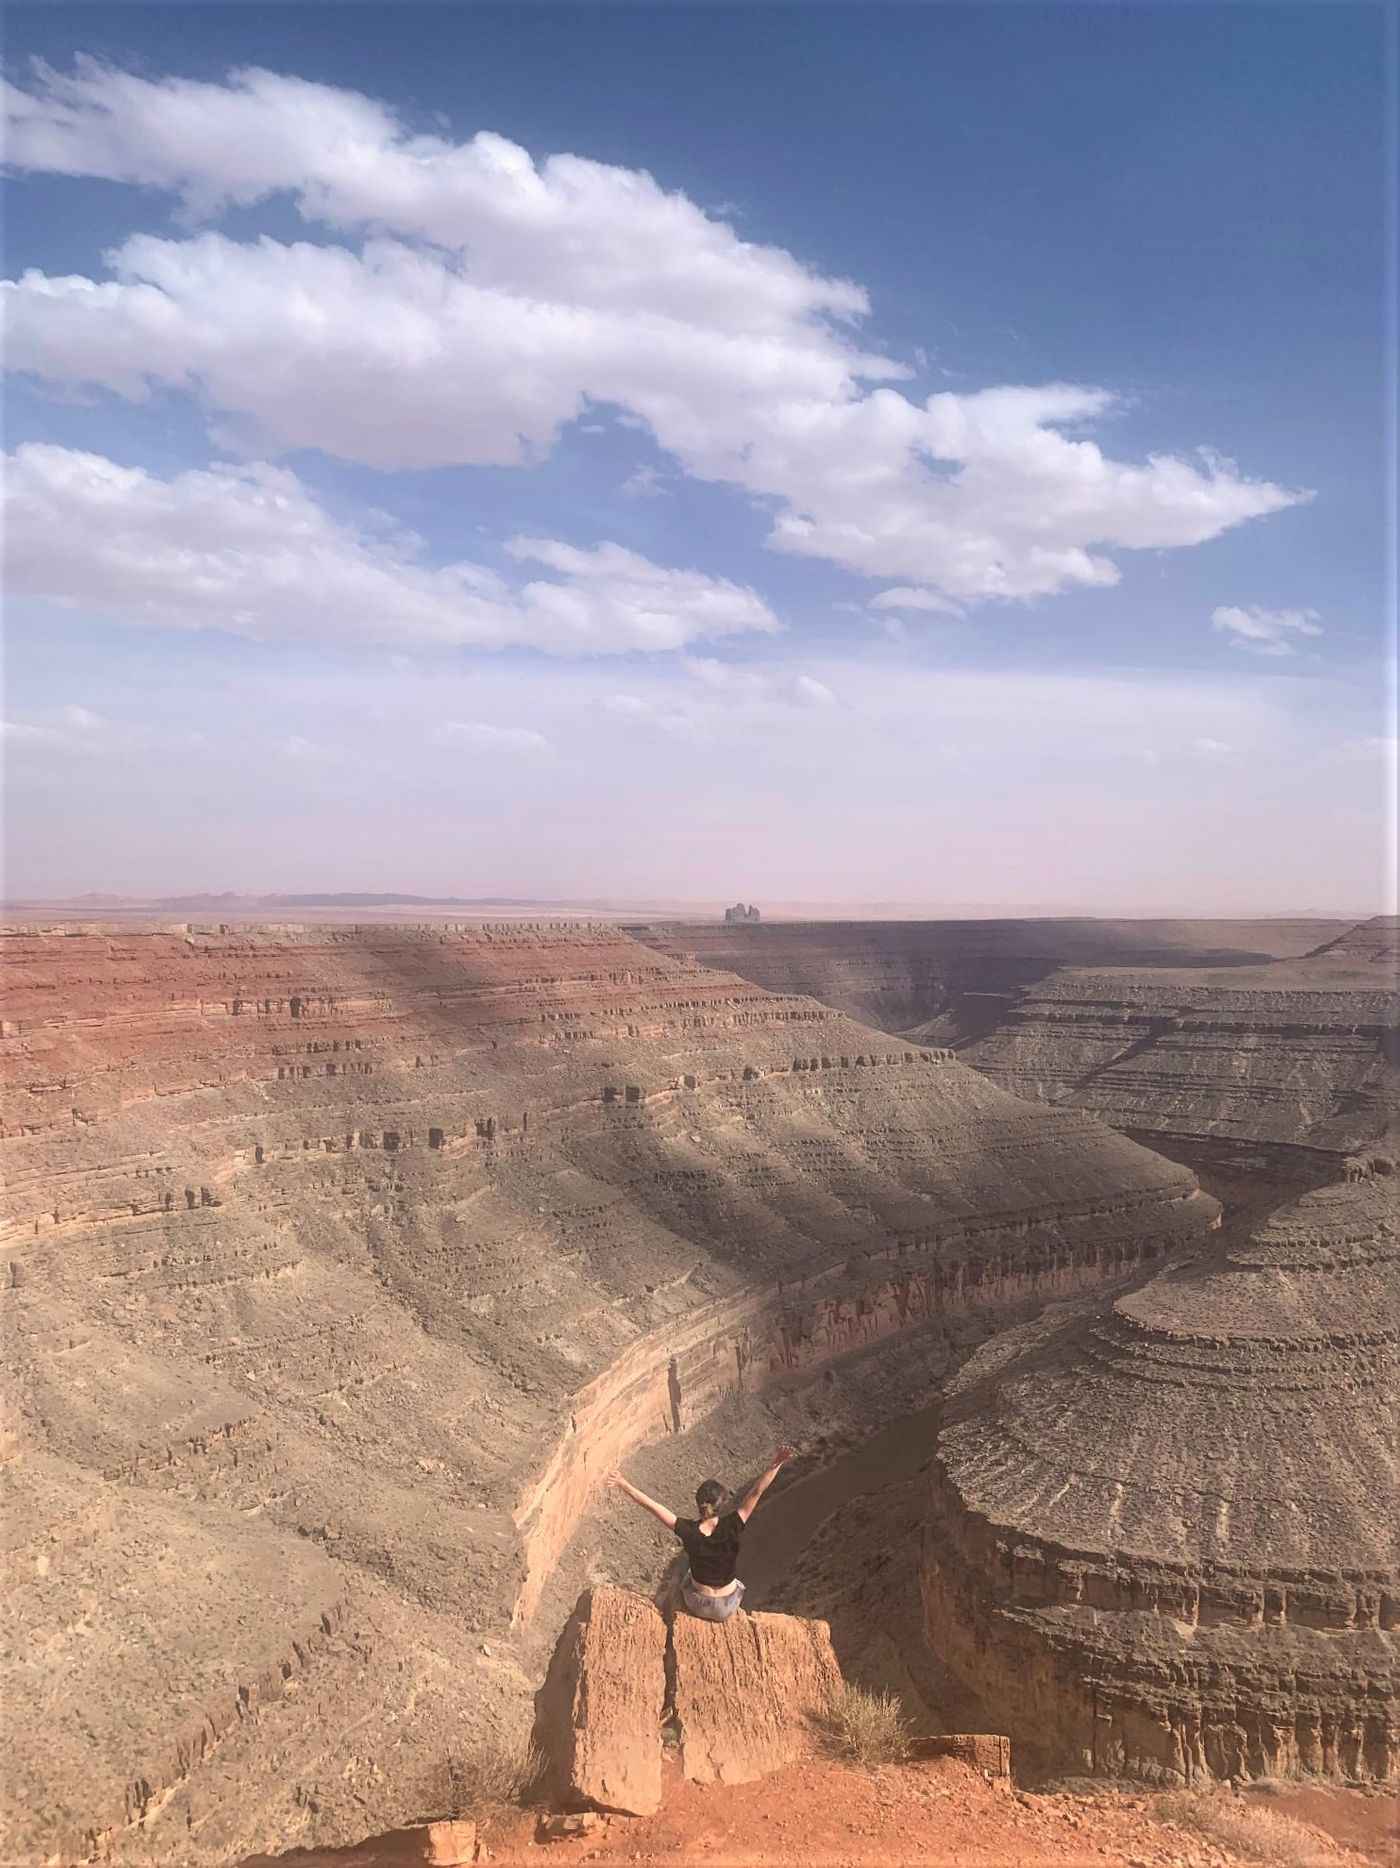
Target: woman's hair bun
[[709, 1496]]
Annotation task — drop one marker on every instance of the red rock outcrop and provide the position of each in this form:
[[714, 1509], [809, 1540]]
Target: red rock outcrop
[[598, 1714], [1162, 1537], [372, 1249], [749, 1693], [986, 1752]]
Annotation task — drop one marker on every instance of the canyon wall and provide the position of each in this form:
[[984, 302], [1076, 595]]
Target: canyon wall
[[1161, 1538], [343, 1262], [1278, 1033], [1299, 1052], [949, 982]]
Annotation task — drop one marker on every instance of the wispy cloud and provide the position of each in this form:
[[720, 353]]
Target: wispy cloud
[[250, 550], [1265, 632], [1217, 751], [71, 728], [708, 690], [644, 482], [477, 736]]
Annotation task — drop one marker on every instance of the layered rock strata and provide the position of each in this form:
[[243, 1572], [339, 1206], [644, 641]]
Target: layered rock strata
[[750, 1694], [948, 982], [1162, 1536], [598, 1714], [367, 1252], [1300, 1053]]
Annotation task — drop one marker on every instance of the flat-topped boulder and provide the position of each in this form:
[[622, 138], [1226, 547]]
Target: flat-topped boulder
[[749, 1693], [598, 1714]]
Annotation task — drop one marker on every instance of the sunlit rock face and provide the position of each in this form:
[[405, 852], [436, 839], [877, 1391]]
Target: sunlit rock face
[[344, 1262], [1162, 1539]]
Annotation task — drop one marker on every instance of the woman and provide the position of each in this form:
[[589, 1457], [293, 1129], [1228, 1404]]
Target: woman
[[711, 1590]]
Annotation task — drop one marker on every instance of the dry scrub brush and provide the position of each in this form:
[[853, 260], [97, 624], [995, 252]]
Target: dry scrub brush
[[1246, 1830], [868, 1728], [492, 1773]]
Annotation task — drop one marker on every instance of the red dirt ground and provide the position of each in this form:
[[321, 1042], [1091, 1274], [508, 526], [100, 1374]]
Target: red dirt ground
[[938, 1814]]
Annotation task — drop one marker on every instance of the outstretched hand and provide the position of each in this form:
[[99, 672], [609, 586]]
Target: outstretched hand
[[785, 1453]]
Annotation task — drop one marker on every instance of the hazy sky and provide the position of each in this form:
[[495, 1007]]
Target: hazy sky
[[876, 453]]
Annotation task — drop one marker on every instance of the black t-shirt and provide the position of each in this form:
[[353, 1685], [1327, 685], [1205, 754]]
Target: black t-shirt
[[713, 1559]]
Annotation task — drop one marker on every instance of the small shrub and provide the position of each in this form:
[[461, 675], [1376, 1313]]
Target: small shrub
[[868, 1728], [1254, 1834], [493, 1772]]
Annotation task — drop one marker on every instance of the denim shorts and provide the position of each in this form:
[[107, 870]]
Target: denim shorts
[[711, 1608]]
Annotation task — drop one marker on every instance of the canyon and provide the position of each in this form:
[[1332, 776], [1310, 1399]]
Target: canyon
[[947, 982], [1298, 1052], [344, 1262], [1278, 1034]]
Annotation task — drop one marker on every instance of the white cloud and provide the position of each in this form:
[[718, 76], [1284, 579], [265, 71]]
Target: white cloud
[[1368, 747], [903, 598], [482, 738], [710, 690], [495, 300], [250, 550], [567, 229], [723, 681], [655, 715], [305, 751], [1264, 632], [645, 482], [71, 728], [83, 718], [1218, 751]]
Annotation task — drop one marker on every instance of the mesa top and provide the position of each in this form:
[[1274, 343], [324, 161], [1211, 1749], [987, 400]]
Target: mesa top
[[713, 1559]]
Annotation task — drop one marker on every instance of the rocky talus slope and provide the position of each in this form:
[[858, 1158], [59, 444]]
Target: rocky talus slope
[[1162, 1537], [1300, 1052], [949, 982], [341, 1265]]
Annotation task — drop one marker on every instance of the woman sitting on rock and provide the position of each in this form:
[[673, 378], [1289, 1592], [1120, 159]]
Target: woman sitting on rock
[[711, 1588]]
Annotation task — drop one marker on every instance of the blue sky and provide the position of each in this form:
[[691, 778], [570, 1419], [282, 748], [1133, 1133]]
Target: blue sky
[[921, 454]]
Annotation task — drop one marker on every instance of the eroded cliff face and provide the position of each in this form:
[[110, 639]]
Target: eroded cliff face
[[1161, 1538], [1284, 1059], [357, 1256], [1283, 1034], [949, 982]]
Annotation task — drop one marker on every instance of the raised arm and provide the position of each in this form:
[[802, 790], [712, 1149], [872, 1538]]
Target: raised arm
[[668, 1518], [760, 1485]]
